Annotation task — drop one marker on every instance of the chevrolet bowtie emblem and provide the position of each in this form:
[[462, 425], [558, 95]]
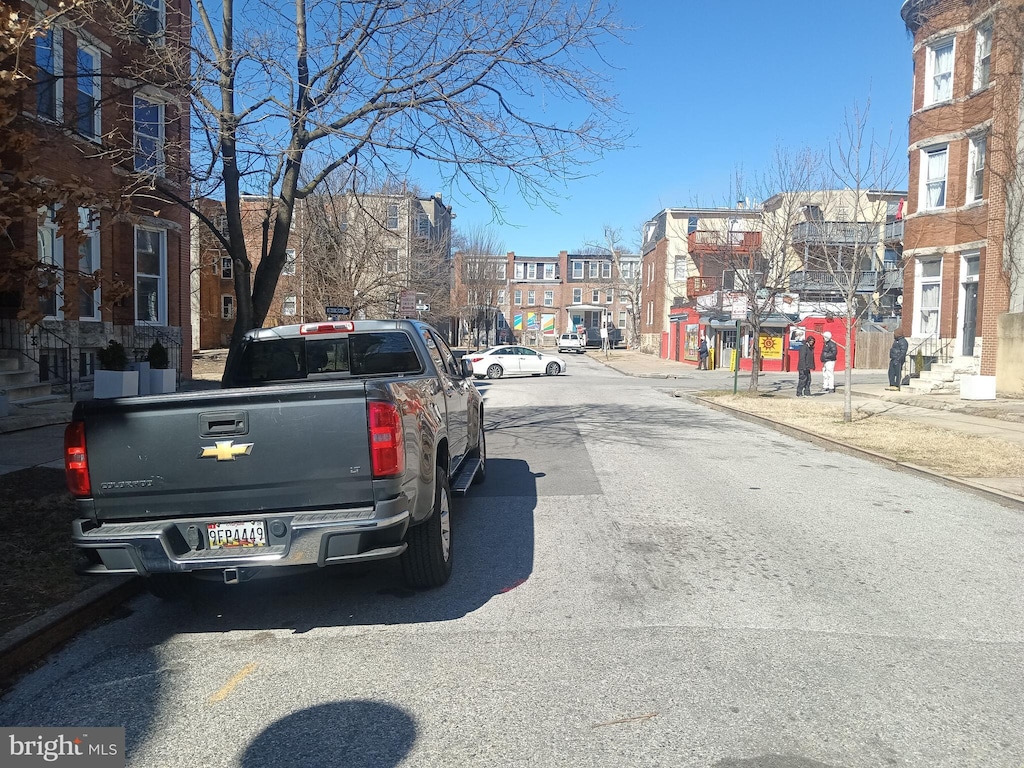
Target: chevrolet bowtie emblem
[[226, 450]]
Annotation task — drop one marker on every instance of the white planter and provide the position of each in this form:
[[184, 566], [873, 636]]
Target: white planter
[[162, 380], [977, 387], [143, 369], [107, 384]]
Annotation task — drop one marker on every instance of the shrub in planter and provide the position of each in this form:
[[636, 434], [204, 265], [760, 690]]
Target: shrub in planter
[[113, 357], [157, 356], [162, 379], [114, 379]]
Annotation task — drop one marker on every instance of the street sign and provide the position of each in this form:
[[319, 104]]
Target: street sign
[[407, 303], [337, 311]]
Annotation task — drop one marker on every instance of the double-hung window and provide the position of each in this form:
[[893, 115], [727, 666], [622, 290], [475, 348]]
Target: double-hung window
[[289, 262], [531, 271], [531, 298], [939, 72], [577, 270], [933, 175], [606, 269], [549, 298], [151, 275], [577, 295], [150, 19], [87, 116], [983, 56], [517, 298], [50, 255], [976, 168], [518, 271], [609, 297], [149, 135], [226, 264], [595, 296], [549, 271], [88, 264], [595, 268], [929, 296], [391, 260], [49, 68], [227, 306], [501, 297], [499, 271], [288, 306], [392, 222]]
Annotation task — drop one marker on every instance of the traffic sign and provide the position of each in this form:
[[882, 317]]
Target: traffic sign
[[337, 311]]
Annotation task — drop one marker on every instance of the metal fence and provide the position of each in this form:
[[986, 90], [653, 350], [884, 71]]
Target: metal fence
[[41, 350]]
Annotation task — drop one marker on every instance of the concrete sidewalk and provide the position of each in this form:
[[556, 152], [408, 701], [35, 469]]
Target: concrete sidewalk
[[1000, 419]]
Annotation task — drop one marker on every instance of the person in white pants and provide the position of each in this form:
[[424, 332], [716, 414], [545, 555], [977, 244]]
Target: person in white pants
[[829, 353]]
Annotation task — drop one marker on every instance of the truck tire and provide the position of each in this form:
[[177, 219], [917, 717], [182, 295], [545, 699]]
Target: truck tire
[[428, 560], [494, 371], [480, 452]]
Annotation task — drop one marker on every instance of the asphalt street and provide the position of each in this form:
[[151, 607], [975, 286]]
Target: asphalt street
[[640, 582]]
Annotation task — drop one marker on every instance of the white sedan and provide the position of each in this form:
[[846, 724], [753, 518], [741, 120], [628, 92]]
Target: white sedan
[[513, 360]]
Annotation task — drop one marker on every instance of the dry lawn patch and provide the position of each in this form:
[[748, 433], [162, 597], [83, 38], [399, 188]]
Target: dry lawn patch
[[942, 450]]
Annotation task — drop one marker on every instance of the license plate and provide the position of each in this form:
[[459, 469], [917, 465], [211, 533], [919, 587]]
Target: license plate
[[252, 533]]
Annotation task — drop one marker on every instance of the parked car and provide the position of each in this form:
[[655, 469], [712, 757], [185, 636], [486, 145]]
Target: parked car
[[513, 360], [572, 342]]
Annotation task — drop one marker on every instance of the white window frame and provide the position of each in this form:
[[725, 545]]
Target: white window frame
[[977, 149], [159, 156], [161, 279], [577, 270], [679, 269], [56, 36], [926, 182], [499, 270], [595, 296], [531, 271], [501, 297], [518, 298], [920, 282], [392, 261], [606, 269], [531, 298], [609, 296], [226, 268], [594, 268], [289, 306], [577, 295], [622, 319], [50, 250], [93, 91], [393, 218], [88, 224], [156, 38], [549, 298], [930, 73], [290, 260], [983, 56], [549, 271], [518, 271], [227, 306]]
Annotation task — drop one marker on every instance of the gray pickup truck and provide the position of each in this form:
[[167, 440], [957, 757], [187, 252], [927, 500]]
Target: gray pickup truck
[[329, 443]]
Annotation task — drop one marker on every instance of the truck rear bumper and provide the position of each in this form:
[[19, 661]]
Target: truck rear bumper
[[319, 538]]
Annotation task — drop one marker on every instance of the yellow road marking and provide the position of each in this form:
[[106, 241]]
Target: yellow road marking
[[231, 684]]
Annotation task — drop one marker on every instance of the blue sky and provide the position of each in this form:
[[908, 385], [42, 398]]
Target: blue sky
[[707, 86]]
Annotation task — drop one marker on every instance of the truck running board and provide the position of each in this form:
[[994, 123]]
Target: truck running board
[[465, 477]]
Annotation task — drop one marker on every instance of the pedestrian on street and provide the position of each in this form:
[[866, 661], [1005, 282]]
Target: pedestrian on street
[[897, 356], [829, 353], [804, 366], [702, 354]]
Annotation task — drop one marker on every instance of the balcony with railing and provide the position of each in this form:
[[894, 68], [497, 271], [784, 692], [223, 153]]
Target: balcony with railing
[[825, 282], [832, 233], [707, 241], [702, 286], [893, 232]]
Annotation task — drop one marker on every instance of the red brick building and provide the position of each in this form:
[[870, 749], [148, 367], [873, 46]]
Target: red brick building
[[99, 128], [962, 152]]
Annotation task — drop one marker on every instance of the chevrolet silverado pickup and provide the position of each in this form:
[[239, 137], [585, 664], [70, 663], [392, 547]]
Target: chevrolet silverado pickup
[[328, 443]]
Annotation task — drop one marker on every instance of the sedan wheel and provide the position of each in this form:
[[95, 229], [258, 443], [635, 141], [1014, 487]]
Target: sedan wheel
[[553, 369], [494, 371]]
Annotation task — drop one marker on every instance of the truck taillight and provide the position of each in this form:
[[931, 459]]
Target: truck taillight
[[387, 446], [76, 462], [313, 328]]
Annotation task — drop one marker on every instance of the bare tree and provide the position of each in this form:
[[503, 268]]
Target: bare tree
[[864, 173], [379, 84], [481, 264], [626, 278]]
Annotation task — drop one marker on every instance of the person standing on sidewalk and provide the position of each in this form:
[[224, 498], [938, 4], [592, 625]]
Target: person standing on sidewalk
[[897, 356], [702, 354], [829, 353], [804, 366]]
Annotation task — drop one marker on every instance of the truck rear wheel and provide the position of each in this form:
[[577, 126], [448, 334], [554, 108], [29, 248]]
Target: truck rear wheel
[[428, 560]]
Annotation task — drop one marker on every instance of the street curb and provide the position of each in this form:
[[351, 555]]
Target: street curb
[[24, 645], [1006, 499], [20, 423]]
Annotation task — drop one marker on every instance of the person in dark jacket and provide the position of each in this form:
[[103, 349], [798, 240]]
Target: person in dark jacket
[[897, 356], [702, 354], [829, 353], [804, 366]]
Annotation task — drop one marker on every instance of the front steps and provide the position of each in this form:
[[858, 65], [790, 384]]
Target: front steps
[[21, 383], [944, 378]]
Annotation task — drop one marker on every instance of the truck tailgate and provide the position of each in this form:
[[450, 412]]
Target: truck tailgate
[[229, 452]]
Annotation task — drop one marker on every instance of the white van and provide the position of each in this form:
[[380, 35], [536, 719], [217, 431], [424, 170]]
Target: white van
[[572, 342]]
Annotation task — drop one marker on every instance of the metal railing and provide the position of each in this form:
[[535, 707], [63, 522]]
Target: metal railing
[[835, 233], [46, 352], [929, 350], [893, 231]]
